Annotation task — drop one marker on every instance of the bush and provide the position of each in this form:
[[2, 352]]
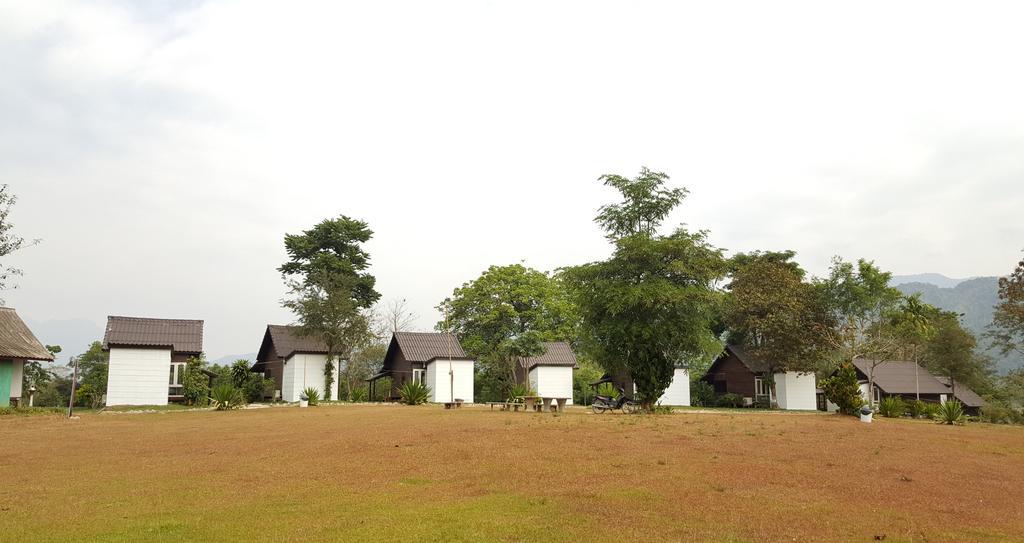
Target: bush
[[891, 407], [702, 394], [608, 389], [414, 393], [88, 395], [311, 395], [23, 411], [519, 390], [917, 408], [729, 400], [951, 412], [196, 387], [225, 396], [359, 394], [843, 390], [1001, 413]]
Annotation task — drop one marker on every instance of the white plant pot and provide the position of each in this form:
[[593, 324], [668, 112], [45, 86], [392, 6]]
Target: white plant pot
[[303, 403], [866, 418]]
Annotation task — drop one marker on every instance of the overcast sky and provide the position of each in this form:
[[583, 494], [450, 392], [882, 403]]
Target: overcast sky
[[161, 153]]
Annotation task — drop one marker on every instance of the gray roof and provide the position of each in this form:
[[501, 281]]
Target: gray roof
[[426, 346], [286, 341], [898, 377], [17, 341], [966, 396], [181, 335], [556, 353], [753, 363]]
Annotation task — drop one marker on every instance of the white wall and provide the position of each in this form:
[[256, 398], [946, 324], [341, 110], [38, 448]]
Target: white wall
[[138, 376], [303, 371], [864, 393], [796, 391], [440, 383], [17, 376], [678, 392], [552, 381]]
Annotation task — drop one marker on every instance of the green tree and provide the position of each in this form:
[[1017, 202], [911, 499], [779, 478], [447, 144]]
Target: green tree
[[503, 316], [330, 289], [1007, 328], [9, 241], [92, 371], [646, 202], [35, 374], [950, 353], [777, 315], [650, 307], [913, 324], [196, 384], [843, 389], [859, 301]]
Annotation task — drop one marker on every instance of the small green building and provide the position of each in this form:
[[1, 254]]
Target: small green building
[[17, 346]]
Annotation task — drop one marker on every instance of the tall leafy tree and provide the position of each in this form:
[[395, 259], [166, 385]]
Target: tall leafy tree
[[650, 307], [777, 315], [503, 316], [913, 324], [1007, 328], [9, 241], [950, 353], [331, 289], [859, 301]]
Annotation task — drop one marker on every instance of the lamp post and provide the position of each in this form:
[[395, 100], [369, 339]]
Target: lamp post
[[31, 395]]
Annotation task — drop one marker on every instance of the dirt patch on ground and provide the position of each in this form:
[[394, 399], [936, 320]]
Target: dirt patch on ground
[[423, 473]]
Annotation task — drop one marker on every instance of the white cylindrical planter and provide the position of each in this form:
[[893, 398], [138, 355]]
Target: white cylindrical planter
[[305, 403], [866, 417]]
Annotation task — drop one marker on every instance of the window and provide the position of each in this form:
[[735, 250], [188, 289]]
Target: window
[[177, 379], [418, 376], [761, 387]]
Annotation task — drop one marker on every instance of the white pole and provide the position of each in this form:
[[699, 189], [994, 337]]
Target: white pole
[[451, 373]]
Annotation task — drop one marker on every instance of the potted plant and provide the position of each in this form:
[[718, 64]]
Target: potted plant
[[308, 397]]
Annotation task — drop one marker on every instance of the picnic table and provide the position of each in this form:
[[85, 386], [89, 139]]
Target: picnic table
[[545, 403]]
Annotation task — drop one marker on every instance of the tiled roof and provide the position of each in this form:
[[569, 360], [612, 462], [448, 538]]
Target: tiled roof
[[966, 396], [181, 335], [287, 341], [426, 346], [557, 353], [17, 341], [899, 377], [753, 363]]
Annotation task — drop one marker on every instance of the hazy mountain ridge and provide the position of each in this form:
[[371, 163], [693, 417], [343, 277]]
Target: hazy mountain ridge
[[974, 298], [934, 279]]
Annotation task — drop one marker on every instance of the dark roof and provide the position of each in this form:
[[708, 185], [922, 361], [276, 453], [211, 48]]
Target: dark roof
[[556, 353], [898, 377], [286, 341], [753, 363], [426, 346], [17, 341], [181, 335], [966, 396]]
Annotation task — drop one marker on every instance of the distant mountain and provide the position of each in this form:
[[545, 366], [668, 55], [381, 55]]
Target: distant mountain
[[975, 298], [230, 359], [936, 279]]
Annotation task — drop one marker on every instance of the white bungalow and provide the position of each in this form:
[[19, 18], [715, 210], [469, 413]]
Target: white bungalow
[[148, 358], [433, 358], [550, 374], [294, 362], [17, 346]]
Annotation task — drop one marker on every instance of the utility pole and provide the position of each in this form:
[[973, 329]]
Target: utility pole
[[74, 383], [451, 373]]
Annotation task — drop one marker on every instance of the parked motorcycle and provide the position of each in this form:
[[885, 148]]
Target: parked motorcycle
[[604, 403]]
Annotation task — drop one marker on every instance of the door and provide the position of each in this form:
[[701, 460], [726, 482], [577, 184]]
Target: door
[[6, 372]]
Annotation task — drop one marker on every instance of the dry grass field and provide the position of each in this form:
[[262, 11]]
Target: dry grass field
[[387, 473]]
